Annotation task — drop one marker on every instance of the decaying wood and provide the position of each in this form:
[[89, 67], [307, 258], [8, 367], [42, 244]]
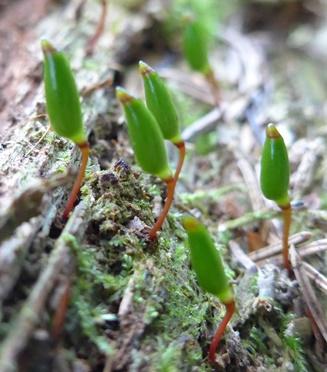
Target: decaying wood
[[30, 157], [60, 260], [28, 204], [12, 254]]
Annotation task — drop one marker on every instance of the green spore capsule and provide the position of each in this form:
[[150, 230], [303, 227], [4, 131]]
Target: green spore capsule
[[145, 135], [196, 52], [206, 260], [159, 102], [274, 180], [275, 169], [149, 148], [62, 97], [195, 46], [209, 269], [64, 110]]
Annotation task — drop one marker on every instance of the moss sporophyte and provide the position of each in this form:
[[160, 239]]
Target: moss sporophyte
[[274, 180], [64, 110], [209, 269], [149, 148], [99, 29], [158, 100], [196, 52]]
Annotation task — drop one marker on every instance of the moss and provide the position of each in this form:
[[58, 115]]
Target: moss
[[175, 318], [92, 283], [264, 333], [168, 357], [183, 313], [293, 344], [201, 196], [62, 161]]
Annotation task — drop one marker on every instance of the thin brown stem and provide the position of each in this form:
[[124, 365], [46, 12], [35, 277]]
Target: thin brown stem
[[230, 309], [171, 185], [169, 199], [85, 150], [99, 30], [214, 86], [182, 152], [287, 217], [60, 314]]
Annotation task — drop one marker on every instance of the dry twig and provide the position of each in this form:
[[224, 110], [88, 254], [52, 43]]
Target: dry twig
[[304, 251], [319, 279], [308, 292], [99, 30], [273, 249]]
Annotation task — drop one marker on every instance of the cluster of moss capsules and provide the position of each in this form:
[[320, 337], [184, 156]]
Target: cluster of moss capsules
[[148, 126]]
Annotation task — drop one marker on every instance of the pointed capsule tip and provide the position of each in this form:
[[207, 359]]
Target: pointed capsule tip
[[122, 96], [47, 47], [145, 69], [190, 223], [272, 132]]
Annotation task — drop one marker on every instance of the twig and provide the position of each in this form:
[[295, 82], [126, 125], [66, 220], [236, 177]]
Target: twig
[[241, 257], [308, 292], [319, 279], [273, 249], [304, 251], [202, 125], [227, 110], [31, 311]]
